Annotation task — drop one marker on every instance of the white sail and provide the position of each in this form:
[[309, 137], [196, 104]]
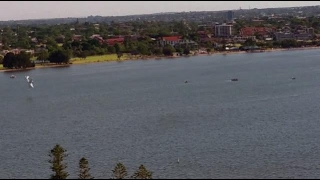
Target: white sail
[[30, 81], [27, 78]]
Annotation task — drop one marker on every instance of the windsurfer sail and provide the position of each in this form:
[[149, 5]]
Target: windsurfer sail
[[30, 81]]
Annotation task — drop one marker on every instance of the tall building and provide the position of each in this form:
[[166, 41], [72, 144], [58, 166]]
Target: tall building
[[223, 30], [230, 16]]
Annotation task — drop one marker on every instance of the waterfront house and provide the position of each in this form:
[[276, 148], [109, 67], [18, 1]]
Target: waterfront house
[[279, 36], [172, 40], [242, 39], [186, 43]]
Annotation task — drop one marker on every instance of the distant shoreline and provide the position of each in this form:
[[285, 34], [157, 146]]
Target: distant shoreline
[[163, 57], [32, 68]]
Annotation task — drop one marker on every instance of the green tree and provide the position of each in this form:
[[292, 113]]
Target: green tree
[[119, 55], [23, 43], [43, 55], [75, 45], [168, 50], [5, 40], [94, 42], [1, 59], [18, 61], [179, 50], [276, 44], [99, 51], [119, 171], [5, 47], [269, 45], [208, 50], [157, 51], [117, 47], [142, 173], [84, 54], [9, 60], [51, 42], [287, 43], [209, 45], [23, 60], [143, 48], [86, 46], [57, 155], [67, 45], [186, 51], [60, 39], [84, 169], [249, 42], [111, 49], [164, 32], [59, 56]]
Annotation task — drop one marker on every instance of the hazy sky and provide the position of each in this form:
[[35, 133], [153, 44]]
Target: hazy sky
[[18, 10]]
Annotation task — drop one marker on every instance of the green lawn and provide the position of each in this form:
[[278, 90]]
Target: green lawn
[[97, 58], [1, 67]]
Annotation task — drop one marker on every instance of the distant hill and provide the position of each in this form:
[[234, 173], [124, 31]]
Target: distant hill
[[204, 16]]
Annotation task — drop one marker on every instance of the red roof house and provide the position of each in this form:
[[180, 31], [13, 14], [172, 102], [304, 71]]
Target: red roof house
[[169, 40], [251, 31], [113, 41]]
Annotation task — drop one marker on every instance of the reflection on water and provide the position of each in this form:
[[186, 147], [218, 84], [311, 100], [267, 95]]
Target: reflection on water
[[61, 66]]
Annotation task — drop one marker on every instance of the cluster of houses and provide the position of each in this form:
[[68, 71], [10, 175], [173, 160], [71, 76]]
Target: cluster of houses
[[214, 34], [174, 41], [17, 51], [109, 42], [263, 33]]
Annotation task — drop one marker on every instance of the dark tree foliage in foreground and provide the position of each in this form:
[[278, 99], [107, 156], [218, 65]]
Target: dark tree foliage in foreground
[[84, 169], [57, 155], [59, 57], [17, 61], [119, 172], [142, 173]]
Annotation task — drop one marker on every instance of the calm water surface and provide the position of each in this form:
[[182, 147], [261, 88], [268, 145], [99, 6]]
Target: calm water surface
[[266, 125]]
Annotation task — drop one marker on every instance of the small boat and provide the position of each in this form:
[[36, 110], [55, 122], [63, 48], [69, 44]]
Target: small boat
[[12, 76], [234, 79]]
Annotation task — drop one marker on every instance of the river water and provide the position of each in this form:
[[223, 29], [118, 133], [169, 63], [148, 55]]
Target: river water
[[265, 125]]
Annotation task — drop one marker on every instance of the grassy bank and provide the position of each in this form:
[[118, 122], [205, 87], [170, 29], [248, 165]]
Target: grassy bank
[[114, 57], [98, 58], [89, 59]]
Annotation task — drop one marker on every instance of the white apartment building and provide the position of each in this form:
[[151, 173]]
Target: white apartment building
[[223, 30]]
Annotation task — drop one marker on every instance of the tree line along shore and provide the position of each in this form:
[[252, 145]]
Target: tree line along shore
[[125, 57], [32, 46]]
